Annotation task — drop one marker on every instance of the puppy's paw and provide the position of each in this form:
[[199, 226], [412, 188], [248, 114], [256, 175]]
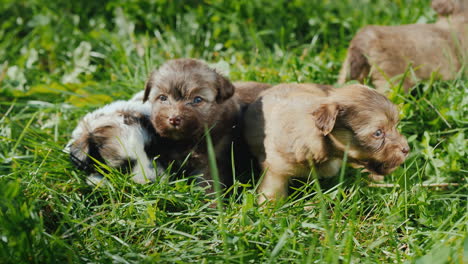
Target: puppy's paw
[[96, 180], [262, 200], [375, 177]]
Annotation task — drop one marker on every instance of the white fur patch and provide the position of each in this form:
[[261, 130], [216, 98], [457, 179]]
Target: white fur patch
[[138, 97], [128, 139]]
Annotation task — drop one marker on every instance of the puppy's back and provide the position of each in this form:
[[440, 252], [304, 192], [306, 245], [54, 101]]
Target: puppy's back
[[273, 111], [290, 89]]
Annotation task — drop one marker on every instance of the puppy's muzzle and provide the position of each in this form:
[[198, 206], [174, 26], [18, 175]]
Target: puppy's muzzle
[[175, 120], [405, 149], [392, 161]]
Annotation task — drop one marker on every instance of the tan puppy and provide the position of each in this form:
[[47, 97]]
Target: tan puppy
[[187, 96], [384, 53], [293, 128]]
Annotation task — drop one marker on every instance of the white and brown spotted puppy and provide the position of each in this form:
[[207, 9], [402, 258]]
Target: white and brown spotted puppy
[[188, 97], [384, 53], [119, 135], [294, 128]]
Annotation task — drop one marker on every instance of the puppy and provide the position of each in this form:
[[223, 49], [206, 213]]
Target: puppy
[[295, 128], [188, 98], [450, 7], [383, 53], [119, 135]]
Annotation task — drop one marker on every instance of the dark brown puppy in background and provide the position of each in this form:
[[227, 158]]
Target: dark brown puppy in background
[[293, 128], [188, 96], [383, 53]]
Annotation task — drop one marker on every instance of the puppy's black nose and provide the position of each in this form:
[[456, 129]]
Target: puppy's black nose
[[175, 120], [405, 150]]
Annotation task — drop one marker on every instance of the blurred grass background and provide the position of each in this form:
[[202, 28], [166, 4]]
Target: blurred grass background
[[60, 59]]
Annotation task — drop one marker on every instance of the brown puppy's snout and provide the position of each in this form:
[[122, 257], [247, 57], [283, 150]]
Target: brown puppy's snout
[[404, 147], [175, 120], [396, 154], [405, 150]]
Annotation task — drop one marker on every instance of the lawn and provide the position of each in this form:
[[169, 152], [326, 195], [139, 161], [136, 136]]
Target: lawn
[[61, 59]]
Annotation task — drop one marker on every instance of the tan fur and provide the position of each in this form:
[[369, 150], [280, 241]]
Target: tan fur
[[293, 128], [384, 53]]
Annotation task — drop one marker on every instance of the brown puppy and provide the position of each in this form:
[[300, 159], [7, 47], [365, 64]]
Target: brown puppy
[[293, 128], [449, 7], [383, 53], [187, 96]]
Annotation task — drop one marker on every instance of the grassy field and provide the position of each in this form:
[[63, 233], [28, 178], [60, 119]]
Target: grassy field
[[61, 59]]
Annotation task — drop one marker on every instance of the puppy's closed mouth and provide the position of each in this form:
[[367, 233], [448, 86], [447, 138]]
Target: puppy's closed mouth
[[379, 168], [177, 132], [373, 167]]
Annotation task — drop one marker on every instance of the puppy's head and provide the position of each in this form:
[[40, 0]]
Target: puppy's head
[[450, 7], [366, 121], [114, 135], [186, 95]]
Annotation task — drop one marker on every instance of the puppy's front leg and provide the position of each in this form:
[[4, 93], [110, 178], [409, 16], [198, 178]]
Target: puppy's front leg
[[206, 182], [204, 178], [273, 187]]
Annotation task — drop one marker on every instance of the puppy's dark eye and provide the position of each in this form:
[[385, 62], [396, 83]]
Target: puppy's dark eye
[[379, 133], [162, 98], [197, 100]]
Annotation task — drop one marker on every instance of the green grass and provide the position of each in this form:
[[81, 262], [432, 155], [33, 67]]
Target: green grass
[[61, 59]]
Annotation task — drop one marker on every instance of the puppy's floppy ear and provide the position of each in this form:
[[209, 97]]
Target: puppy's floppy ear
[[225, 88], [325, 117], [80, 152], [148, 86], [86, 150]]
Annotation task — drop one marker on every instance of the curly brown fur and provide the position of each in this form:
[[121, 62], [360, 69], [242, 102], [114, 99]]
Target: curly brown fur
[[449, 7], [187, 97], [384, 53], [293, 128]]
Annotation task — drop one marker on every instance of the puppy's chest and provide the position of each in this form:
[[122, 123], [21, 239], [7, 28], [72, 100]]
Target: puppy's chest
[[306, 152], [187, 154], [324, 165]]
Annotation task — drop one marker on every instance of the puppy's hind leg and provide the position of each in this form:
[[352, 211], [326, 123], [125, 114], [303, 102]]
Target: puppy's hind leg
[[355, 66]]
